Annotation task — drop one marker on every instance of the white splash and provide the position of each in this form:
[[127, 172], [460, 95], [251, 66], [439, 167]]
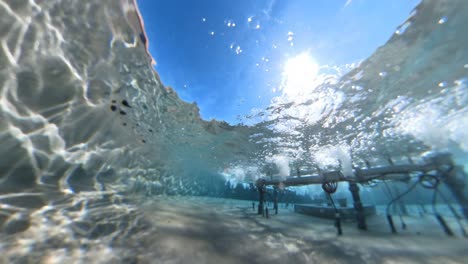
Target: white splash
[[282, 163], [334, 156], [241, 174]]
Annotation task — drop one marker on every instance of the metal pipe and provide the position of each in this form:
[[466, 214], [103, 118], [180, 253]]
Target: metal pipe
[[395, 172], [442, 163], [453, 181], [360, 216], [261, 196], [275, 200]]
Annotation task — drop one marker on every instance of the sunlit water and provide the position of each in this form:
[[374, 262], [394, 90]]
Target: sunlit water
[[90, 136]]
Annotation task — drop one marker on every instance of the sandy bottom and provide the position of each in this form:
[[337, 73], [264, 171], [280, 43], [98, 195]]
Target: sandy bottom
[[210, 230]]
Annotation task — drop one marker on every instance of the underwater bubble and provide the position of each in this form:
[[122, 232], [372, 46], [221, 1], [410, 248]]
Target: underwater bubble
[[442, 20], [442, 84], [357, 87], [401, 29], [236, 48], [460, 81], [291, 38], [230, 23], [253, 22]]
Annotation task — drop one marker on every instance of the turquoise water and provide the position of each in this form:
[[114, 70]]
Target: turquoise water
[[99, 161]]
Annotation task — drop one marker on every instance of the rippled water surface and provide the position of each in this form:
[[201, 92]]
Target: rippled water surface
[[100, 162]]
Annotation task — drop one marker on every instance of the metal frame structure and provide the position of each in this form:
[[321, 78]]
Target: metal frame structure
[[440, 165]]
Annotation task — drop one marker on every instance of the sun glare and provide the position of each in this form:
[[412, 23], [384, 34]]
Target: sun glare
[[299, 74]]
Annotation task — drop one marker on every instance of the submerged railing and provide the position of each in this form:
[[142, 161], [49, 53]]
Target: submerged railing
[[437, 169]]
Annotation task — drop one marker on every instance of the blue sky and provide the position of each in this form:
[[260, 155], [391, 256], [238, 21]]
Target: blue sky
[[229, 55]]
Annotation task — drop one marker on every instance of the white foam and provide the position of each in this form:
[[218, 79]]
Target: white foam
[[334, 156], [241, 174], [282, 163], [431, 124]]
